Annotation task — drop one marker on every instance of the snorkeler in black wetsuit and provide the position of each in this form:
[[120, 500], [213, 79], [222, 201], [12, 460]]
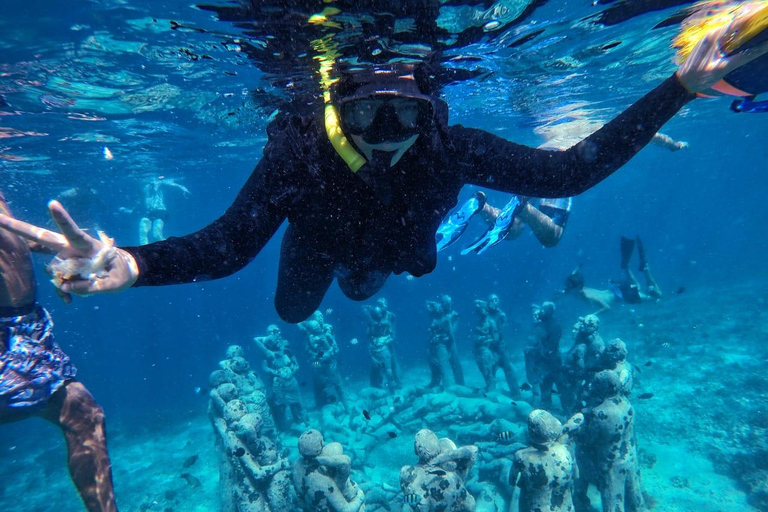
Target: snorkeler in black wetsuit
[[361, 227], [359, 218]]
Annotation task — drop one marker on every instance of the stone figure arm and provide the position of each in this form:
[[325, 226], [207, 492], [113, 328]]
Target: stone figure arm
[[463, 458], [334, 496], [570, 428], [259, 341]]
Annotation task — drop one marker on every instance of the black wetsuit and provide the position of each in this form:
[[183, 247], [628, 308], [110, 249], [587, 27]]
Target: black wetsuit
[[341, 227]]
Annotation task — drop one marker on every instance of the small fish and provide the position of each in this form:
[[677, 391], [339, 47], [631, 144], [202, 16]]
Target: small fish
[[391, 434], [680, 290], [505, 436], [525, 387], [366, 415], [190, 461], [645, 396], [239, 451], [648, 363], [191, 480]]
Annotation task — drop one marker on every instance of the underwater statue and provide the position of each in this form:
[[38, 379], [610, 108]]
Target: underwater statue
[[614, 358], [281, 365], [500, 347], [245, 385], [321, 477], [545, 471], [273, 343], [286, 395], [253, 474], [322, 351], [442, 344], [542, 355], [580, 362], [607, 449], [437, 482], [381, 336], [486, 335]]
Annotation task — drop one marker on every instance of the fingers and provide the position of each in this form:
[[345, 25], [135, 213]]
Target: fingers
[[89, 287], [67, 298], [31, 232], [77, 237]]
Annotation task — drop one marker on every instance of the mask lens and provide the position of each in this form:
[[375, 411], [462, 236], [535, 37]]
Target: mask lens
[[407, 111], [359, 114]]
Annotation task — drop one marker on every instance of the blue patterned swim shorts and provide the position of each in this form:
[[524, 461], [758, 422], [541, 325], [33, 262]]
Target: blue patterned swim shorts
[[32, 366]]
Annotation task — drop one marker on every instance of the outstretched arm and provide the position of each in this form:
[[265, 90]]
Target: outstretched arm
[[218, 250], [493, 162], [172, 183], [667, 142]]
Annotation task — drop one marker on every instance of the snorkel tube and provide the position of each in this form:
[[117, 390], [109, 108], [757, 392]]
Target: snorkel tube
[[327, 52]]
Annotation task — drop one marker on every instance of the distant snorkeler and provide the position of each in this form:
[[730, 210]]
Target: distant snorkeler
[[627, 289], [365, 181], [37, 379]]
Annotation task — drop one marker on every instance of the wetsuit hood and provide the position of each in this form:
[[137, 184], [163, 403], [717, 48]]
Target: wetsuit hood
[[386, 135]]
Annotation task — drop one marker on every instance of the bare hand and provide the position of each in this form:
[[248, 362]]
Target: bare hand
[[708, 63], [110, 269]]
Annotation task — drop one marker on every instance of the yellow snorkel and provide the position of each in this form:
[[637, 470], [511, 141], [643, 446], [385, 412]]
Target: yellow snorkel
[[351, 157], [327, 50]]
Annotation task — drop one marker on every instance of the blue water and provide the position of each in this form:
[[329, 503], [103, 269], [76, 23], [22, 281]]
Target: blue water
[[82, 76]]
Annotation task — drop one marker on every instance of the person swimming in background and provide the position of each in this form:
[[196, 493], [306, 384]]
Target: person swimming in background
[[153, 211], [364, 194], [38, 379], [545, 217], [626, 289]]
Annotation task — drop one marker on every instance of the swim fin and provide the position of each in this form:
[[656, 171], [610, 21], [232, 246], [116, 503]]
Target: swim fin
[[627, 247], [499, 230], [454, 225]]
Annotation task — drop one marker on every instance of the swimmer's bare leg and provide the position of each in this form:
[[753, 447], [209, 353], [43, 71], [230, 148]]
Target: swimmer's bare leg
[[157, 230], [145, 225], [653, 287], [74, 410]]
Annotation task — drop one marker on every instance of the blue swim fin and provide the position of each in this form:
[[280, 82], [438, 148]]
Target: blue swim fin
[[454, 225], [499, 230]]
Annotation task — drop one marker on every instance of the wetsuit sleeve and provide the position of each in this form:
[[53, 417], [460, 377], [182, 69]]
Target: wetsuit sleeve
[[221, 248], [494, 162]]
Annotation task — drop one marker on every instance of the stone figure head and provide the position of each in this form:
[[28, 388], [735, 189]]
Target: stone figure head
[[543, 428], [426, 445], [311, 444]]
